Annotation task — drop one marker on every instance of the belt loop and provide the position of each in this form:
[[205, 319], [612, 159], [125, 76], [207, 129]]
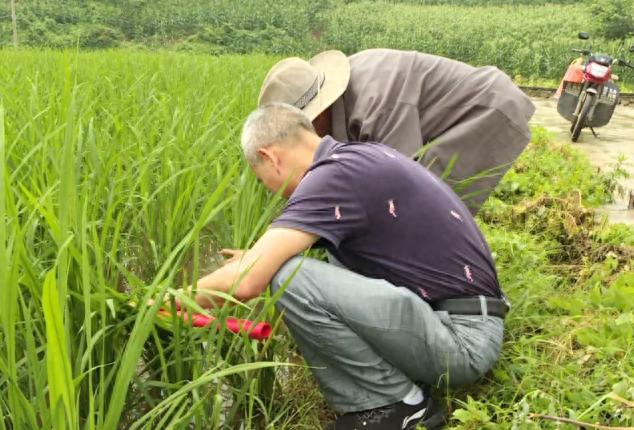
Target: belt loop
[[506, 301], [483, 308]]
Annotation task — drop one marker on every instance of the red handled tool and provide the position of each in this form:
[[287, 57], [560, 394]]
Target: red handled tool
[[257, 331]]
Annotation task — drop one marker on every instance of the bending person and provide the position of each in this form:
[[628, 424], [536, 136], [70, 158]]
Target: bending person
[[476, 118], [415, 299]]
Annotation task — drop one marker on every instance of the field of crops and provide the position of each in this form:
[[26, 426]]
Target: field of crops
[[525, 41], [530, 40], [121, 176]]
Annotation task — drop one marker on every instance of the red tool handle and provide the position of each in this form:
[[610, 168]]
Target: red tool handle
[[259, 331]]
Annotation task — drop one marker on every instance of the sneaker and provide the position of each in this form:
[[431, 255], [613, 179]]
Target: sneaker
[[398, 416]]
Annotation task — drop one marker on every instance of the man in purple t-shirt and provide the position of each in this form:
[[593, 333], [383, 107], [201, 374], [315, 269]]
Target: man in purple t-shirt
[[411, 296]]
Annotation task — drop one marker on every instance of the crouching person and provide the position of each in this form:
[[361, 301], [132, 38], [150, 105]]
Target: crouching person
[[413, 298]]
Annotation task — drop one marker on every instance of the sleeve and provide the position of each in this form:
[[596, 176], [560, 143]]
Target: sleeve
[[476, 169], [326, 205]]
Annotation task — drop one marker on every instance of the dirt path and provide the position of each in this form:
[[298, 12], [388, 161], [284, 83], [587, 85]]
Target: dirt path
[[614, 139]]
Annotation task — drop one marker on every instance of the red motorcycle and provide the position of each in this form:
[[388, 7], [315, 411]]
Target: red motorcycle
[[588, 94]]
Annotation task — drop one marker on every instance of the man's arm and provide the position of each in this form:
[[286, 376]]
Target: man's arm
[[248, 276]]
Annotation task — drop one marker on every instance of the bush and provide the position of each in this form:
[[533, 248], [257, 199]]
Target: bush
[[48, 33], [614, 19], [100, 36]]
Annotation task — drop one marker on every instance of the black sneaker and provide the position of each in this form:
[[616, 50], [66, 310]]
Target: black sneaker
[[398, 416]]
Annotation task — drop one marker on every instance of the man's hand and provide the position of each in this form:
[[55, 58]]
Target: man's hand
[[232, 254], [247, 273]]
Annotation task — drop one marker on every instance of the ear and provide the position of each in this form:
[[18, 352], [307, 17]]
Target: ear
[[270, 155]]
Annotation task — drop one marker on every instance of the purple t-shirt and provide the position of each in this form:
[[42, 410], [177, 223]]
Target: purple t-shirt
[[385, 216]]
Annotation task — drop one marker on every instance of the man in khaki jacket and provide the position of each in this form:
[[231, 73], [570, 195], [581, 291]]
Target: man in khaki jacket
[[466, 124]]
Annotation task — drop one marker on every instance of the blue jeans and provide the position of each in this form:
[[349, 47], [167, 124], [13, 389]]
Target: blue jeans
[[367, 340]]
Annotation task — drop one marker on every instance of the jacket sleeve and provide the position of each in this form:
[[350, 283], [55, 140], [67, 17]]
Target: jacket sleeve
[[475, 153]]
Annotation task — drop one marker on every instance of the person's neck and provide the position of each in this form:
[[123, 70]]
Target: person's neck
[[312, 143], [302, 158]]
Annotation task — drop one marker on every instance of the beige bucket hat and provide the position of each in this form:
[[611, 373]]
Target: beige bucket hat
[[311, 85]]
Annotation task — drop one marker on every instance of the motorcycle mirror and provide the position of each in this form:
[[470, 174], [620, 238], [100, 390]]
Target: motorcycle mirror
[[583, 35]]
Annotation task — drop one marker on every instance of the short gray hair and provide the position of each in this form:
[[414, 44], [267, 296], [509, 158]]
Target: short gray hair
[[269, 124]]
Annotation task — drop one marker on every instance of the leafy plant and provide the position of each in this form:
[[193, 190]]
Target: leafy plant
[[613, 19]]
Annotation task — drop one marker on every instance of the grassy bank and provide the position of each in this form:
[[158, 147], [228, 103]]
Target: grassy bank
[[568, 350], [120, 176]]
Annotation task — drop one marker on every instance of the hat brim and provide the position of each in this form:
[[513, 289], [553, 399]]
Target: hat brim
[[336, 69]]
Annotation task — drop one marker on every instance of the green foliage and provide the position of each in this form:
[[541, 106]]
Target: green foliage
[[569, 334], [613, 19], [121, 176], [99, 36], [529, 40], [474, 2], [473, 413], [245, 26], [525, 41], [553, 169]]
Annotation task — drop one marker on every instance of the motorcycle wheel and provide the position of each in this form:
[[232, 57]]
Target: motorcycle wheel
[[581, 119]]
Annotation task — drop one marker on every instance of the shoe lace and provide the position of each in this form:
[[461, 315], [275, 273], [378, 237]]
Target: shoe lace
[[376, 415]]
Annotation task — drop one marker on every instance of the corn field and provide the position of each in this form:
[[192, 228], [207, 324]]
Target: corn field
[[524, 41], [528, 39]]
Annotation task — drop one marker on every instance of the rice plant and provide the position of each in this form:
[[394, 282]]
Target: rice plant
[[120, 177]]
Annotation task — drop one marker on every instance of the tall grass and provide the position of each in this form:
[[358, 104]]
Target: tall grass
[[119, 178]]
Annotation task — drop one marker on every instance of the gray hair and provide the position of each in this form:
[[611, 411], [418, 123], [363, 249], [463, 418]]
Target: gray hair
[[269, 124]]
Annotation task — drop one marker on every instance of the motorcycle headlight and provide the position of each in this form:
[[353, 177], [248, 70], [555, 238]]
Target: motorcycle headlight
[[597, 70]]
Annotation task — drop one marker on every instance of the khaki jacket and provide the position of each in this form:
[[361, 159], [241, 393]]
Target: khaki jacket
[[476, 119]]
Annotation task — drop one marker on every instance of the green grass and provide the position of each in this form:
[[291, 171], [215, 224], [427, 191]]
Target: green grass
[[121, 176], [569, 345]]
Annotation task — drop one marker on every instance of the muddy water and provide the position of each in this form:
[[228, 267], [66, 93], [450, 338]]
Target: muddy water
[[615, 138]]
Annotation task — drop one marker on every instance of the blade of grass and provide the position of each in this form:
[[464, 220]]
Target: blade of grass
[[60, 379]]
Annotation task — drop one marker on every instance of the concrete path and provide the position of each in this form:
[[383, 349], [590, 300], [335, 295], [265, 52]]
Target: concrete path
[[615, 138]]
